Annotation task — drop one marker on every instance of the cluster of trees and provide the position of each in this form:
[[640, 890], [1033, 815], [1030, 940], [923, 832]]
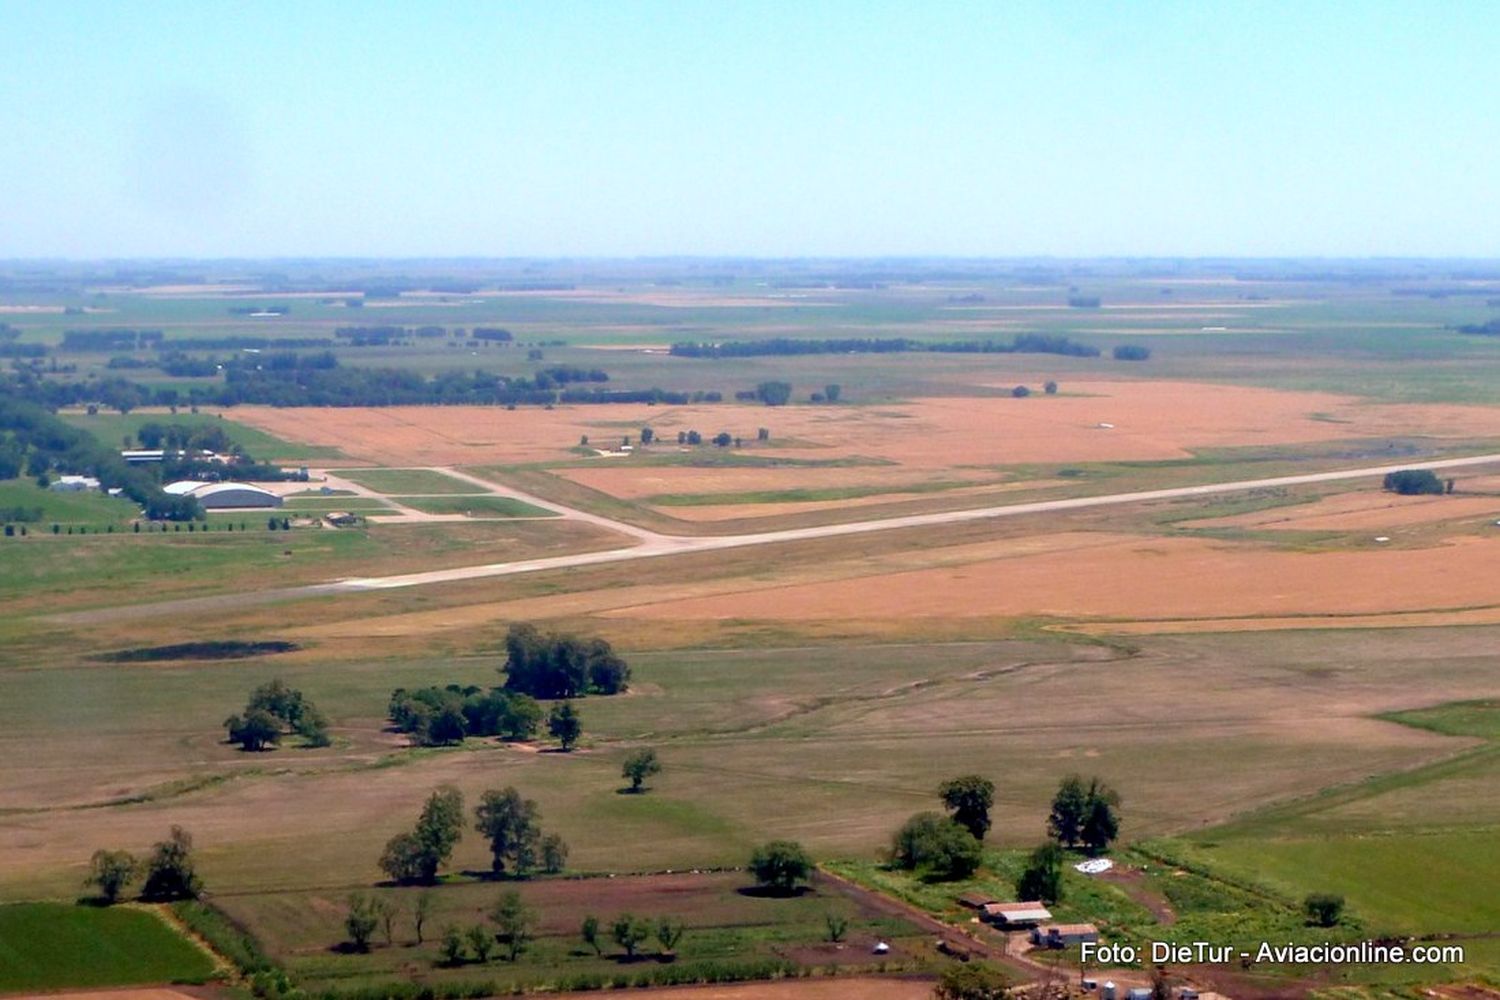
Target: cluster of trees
[[273, 711], [1414, 482], [436, 716], [559, 665], [1132, 352], [511, 825], [40, 442], [169, 871], [630, 932], [110, 339], [939, 846], [943, 846]]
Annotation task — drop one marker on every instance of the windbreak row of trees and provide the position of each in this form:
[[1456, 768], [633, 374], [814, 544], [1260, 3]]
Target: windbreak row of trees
[[1021, 343]]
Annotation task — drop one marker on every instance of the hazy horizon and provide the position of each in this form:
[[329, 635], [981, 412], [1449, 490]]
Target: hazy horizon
[[176, 130]]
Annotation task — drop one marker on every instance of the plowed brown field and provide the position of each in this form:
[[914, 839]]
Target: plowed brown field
[[1150, 420]]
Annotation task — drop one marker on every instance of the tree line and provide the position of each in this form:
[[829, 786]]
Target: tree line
[[1021, 343]]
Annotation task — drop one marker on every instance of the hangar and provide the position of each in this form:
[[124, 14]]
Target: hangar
[[222, 496]]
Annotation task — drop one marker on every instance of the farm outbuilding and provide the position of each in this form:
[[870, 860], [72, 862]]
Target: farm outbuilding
[[1063, 935], [74, 484], [224, 496], [1027, 914]]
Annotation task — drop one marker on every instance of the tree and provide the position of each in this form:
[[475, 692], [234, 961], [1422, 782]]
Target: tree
[[763, 434], [1049, 387], [838, 926], [416, 856], [832, 391], [1020, 392], [421, 911], [481, 941], [1042, 877], [446, 726], [647, 435], [774, 393], [1100, 824], [1069, 807], [936, 847], [972, 981], [723, 439], [554, 853], [255, 731], [639, 766], [1413, 482], [628, 932], [668, 934], [1323, 909], [385, 909], [170, 872], [1132, 352], [112, 871], [509, 823], [589, 931], [780, 865], [312, 727], [564, 725], [516, 923], [361, 921], [968, 799], [452, 948]]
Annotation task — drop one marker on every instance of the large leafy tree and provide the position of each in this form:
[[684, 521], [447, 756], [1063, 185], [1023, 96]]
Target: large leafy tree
[[936, 847], [1042, 877], [111, 872], [780, 865], [969, 799], [170, 871], [417, 855], [509, 823]]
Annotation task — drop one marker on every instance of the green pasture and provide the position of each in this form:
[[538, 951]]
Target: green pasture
[[115, 428], [407, 482], [54, 946], [88, 508], [487, 505]]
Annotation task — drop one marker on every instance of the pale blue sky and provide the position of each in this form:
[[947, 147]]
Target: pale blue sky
[[772, 129]]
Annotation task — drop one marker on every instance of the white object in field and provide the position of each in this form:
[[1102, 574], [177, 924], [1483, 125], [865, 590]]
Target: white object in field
[[881, 948], [1382, 538], [1105, 427], [1094, 866]]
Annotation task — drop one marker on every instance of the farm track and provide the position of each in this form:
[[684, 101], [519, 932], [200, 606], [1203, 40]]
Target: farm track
[[651, 544]]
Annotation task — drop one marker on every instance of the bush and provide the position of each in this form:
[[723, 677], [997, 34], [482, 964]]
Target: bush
[[780, 865], [1413, 482], [1323, 909], [1131, 352]]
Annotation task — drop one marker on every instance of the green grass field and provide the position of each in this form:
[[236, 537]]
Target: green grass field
[[407, 482], [52, 946], [114, 428], [477, 506], [90, 508]]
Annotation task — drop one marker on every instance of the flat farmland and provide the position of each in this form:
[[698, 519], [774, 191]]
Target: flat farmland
[[1361, 511], [1169, 578], [1151, 420], [830, 745], [723, 922]]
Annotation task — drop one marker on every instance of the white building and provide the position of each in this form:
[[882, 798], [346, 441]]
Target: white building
[[74, 484], [224, 496]]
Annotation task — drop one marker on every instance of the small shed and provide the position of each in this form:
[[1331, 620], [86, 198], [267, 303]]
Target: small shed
[[1026, 914], [975, 900], [1063, 935]]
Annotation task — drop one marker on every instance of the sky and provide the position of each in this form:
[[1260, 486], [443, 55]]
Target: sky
[[303, 128]]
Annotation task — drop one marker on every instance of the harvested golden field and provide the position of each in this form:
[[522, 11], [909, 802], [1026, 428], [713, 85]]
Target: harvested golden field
[[1361, 511], [1149, 420], [1136, 578]]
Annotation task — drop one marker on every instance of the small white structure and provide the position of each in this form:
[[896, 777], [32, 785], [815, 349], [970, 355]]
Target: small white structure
[[1094, 866], [137, 456], [74, 484], [1109, 990], [224, 496], [881, 948]]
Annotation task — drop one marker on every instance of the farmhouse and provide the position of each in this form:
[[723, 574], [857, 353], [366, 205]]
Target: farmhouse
[[1062, 935], [1028, 914], [221, 496], [74, 484]]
